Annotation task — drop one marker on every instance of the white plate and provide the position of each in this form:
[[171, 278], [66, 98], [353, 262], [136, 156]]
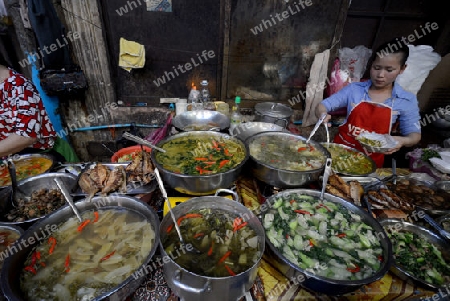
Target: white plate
[[387, 142], [440, 165]]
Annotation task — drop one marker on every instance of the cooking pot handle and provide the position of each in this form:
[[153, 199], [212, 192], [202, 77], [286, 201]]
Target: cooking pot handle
[[177, 282], [286, 122], [235, 195]]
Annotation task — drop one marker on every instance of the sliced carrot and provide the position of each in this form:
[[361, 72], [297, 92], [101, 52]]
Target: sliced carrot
[[96, 216], [67, 263], [223, 163], [201, 159], [230, 271], [210, 251], [199, 235], [30, 269], [108, 256], [52, 242], [224, 257], [83, 224]]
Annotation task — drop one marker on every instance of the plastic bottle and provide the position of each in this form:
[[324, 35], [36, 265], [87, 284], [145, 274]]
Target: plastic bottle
[[236, 116], [194, 99], [206, 97]]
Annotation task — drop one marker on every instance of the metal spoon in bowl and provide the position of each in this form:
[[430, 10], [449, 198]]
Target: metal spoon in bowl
[[166, 199], [326, 175], [318, 123], [14, 188], [68, 198]]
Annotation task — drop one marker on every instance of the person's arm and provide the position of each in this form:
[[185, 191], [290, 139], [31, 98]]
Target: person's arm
[[15, 143], [320, 110], [407, 141]]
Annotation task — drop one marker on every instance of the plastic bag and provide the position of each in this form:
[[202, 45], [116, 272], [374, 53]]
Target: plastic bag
[[338, 78], [354, 60], [422, 59]]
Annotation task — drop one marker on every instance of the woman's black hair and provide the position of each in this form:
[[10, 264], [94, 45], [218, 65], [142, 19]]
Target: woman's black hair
[[396, 45]]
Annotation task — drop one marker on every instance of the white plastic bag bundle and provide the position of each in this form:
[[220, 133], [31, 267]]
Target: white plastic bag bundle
[[354, 60], [422, 59]]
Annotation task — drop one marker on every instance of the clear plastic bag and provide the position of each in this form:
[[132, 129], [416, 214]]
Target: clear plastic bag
[[354, 60]]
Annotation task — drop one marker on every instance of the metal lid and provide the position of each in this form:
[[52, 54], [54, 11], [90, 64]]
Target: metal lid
[[274, 109]]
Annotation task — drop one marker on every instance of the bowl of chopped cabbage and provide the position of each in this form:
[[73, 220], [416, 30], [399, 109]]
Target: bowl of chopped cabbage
[[330, 246]]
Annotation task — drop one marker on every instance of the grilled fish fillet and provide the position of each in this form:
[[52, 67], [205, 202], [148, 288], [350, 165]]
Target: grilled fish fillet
[[116, 179], [88, 185]]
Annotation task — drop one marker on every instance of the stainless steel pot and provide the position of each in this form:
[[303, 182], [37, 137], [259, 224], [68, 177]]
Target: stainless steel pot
[[322, 284], [26, 187], [248, 129], [189, 286], [10, 277], [280, 177], [273, 112], [200, 184]]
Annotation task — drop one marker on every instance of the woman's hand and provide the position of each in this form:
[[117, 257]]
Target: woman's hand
[[409, 140]]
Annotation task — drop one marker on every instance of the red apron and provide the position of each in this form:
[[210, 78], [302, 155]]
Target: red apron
[[365, 116]]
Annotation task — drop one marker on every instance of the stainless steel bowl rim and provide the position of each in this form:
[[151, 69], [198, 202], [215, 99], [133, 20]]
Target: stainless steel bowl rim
[[273, 109], [288, 134], [355, 209], [423, 232], [190, 118]]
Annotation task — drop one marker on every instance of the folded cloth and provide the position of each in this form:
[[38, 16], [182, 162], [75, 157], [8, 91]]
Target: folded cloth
[[132, 55]]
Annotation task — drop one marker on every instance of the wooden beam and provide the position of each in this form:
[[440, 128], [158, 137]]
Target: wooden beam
[[84, 19]]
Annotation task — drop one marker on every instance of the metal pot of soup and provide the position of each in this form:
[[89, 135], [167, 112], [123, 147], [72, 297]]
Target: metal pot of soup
[[97, 259], [223, 245], [273, 112]]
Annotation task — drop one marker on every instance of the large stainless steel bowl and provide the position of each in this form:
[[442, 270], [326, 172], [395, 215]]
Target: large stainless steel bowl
[[26, 187], [318, 283], [282, 178], [10, 277], [342, 164], [431, 237], [201, 120], [200, 184]]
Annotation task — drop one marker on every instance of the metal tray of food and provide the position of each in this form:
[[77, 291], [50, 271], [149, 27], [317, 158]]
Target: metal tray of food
[[407, 194], [430, 237], [132, 187]]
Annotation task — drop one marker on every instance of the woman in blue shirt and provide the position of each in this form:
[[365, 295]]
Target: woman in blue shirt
[[375, 105]]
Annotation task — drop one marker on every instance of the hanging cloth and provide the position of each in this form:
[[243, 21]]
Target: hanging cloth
[[49, 31], [366, 116]]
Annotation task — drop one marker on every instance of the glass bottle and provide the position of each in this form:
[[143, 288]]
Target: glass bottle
[[236, 117], [206, 97]]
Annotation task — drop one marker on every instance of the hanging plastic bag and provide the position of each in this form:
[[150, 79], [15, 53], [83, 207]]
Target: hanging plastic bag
[[354, 60], [422, 59]]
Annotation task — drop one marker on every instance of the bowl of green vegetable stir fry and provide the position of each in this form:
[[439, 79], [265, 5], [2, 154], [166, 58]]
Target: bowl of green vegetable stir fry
[[330, 246], [419, 254]]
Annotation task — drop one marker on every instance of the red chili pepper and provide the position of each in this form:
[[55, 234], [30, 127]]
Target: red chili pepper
[[223, 163], [324, 206], [83, 224], [33, 259], [169, 228], [52, 242], [224, 257], [240, 227], [215, 144], [341, 235], [301, 149], [211, 249], [30, 269], [201, 159], [287, 236], [380, 258], [42, 264], [38, 255], [67, 263], [302, 211], [356, 269], [230, 271], [199, 235], [226, 152], [108, 256], [189, 215], [96, 216], [311, 244], [291, 202]]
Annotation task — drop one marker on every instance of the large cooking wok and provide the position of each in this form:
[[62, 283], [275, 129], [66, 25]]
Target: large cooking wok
[[311, 280], [13, 266]]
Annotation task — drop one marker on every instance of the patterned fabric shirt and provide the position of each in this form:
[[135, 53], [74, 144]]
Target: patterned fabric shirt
[[22, 112]]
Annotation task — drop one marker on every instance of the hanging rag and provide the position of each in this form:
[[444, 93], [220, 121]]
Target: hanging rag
[[315, 87], [132, 55], [24, 14], [49, 32]]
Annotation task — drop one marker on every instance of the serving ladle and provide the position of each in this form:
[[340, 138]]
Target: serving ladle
[[326, 175], [12, 174], [166, 199], [316, 127], [68, 198]]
